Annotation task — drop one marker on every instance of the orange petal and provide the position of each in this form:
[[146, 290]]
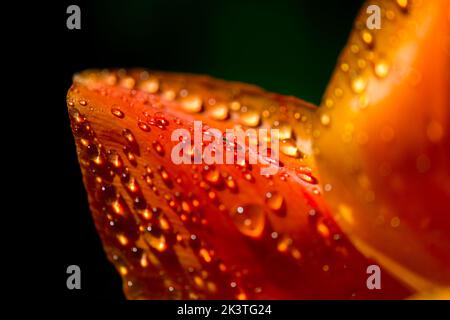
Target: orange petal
[[384, 140]]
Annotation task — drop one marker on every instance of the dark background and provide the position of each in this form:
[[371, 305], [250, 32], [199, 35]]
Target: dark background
[[289, 47]]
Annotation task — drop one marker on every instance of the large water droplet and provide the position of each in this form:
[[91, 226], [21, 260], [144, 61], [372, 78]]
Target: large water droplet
[[285, 131], [381, 69], [249, 219], [192, 104], [149, 85], [289, 148], [275, 201], [219, 112], [359, 84], [213, 176], [305, 173], [250, 118]]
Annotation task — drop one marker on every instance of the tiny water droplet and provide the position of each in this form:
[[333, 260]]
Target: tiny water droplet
[[165, 176], [231, 184], [117, 112], [359, 84], [158, 148], [114, 159], [325, 119], [128, 135], [367, 38], [143, 126], [213, 176]]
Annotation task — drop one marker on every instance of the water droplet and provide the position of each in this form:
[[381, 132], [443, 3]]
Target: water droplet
[[289, 148], [285, 131], [123, 240], [143, 126], [381, 69], [354, 48], [275, 201], [114, 159], [305, 173], [367, 38], [284, 243], [362, 63], [390, 14], [250, 118], [128, 135], [359, 84], [130, 156], [338, 92], [323, 230], [83, 103], [248, 176], [158, 148], [345, 66], [395, 222], [149, 85], [325, 119], [192, 104], [205, 255], [76, 116], [159, 120], [213, 176], [118, 206], [231, 184], [130, 183], [219, 112], [164, 223], [403, 4], [127, 82], [157, 242], [117, 112], [165, 176], [131, 141], [249, 219], [235, 105], [144, 261]]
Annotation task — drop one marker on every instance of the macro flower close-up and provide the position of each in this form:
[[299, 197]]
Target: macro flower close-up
[[201, 188]]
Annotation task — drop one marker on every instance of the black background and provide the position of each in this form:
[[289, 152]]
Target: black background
[[289, 47]]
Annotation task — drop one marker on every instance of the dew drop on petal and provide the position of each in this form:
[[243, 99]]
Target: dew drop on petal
[[249, 219]]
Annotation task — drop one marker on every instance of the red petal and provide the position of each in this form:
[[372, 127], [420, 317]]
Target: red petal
[[218, 231]]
